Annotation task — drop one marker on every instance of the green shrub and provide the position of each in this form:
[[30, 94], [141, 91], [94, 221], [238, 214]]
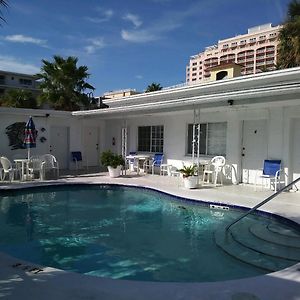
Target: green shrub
[[188, 171], [111, 159]]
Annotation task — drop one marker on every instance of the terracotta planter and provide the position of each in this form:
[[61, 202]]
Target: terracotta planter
[[190, 182], [114, 172]]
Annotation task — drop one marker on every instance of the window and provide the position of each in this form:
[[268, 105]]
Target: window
[[222, 75], [25, 81], [2, 79], [151, 138], [212, 138]]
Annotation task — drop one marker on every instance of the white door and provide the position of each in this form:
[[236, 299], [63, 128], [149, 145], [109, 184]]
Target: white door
[[91, 146], [254, 148], [295, 165], [59, 145]]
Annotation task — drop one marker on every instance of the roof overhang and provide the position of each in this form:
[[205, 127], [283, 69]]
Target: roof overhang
[[276, 87]]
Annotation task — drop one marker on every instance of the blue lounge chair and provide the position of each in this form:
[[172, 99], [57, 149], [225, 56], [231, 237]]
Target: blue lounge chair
[[271, 172]]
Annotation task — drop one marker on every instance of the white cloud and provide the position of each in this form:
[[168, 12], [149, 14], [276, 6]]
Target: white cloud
[[139, 76], [105, 15], [135, 19], [152, 33], [138, 36], [20, 38], [12, 64], [168, 22], [95, 44]]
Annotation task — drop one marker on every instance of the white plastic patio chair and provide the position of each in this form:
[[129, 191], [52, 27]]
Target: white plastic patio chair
[[49, 163], [131, 163], [35, 167], [214, 169], [8, 169]]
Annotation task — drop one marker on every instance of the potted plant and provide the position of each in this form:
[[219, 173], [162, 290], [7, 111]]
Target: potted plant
[[190, 179], [113, 162]]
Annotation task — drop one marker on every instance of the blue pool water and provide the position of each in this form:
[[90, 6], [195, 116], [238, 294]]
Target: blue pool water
[[118, 232]]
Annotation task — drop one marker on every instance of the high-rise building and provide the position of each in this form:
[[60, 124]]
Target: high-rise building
[[255, 51]]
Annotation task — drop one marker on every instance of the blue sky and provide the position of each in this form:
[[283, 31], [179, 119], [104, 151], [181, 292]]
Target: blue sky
[[125, 43]]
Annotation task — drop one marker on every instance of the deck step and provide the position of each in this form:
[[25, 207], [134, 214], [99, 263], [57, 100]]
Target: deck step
[[282, 230], [226, 242], [263, 232], [241, 233]]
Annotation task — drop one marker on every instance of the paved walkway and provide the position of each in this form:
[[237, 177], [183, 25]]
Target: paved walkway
[[22, 280]]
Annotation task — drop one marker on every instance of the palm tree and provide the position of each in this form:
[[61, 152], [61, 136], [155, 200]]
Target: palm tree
[[153, 87], [289, 38], [3, 4], [63, 83]]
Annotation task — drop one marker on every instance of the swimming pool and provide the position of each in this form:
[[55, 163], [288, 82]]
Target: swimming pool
[[123, 233]]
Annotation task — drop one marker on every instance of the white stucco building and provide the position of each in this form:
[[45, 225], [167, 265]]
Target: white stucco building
[[247, 119], [13, 80]]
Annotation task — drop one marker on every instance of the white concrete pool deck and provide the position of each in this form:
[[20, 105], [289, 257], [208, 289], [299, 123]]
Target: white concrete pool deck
[[18, 282]]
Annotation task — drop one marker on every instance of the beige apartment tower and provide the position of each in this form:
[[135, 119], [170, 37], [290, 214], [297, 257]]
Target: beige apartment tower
[[255, 52]]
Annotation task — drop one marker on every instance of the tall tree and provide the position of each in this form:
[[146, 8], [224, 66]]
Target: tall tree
[[18, 98], [153, 87], [289, 38], [3, 4], [64, 84]]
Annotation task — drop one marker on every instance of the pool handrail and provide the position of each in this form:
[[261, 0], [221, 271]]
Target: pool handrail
[[262, 203]]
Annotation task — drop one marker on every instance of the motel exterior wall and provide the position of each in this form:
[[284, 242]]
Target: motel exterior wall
[[279, 143], [63, 132]]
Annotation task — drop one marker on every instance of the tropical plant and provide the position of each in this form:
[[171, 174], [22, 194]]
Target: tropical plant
[[289, 38], [18, 98], [264, 69], [188, 171], [63, 83], [153, 87], [109, 159], [3, 4]]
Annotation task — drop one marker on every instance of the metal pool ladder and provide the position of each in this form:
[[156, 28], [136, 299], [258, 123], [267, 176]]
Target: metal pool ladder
[[262, 203]]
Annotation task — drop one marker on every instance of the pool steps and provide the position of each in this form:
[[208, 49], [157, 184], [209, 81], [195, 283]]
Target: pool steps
[[261, 245], [282, 231], [263, 232]]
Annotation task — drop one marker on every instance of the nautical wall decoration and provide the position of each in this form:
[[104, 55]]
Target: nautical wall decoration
[[43, 139], [15, 133]]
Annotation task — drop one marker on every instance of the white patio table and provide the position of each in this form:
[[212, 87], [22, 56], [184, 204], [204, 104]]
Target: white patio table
[[138, 158], [24, 167]]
